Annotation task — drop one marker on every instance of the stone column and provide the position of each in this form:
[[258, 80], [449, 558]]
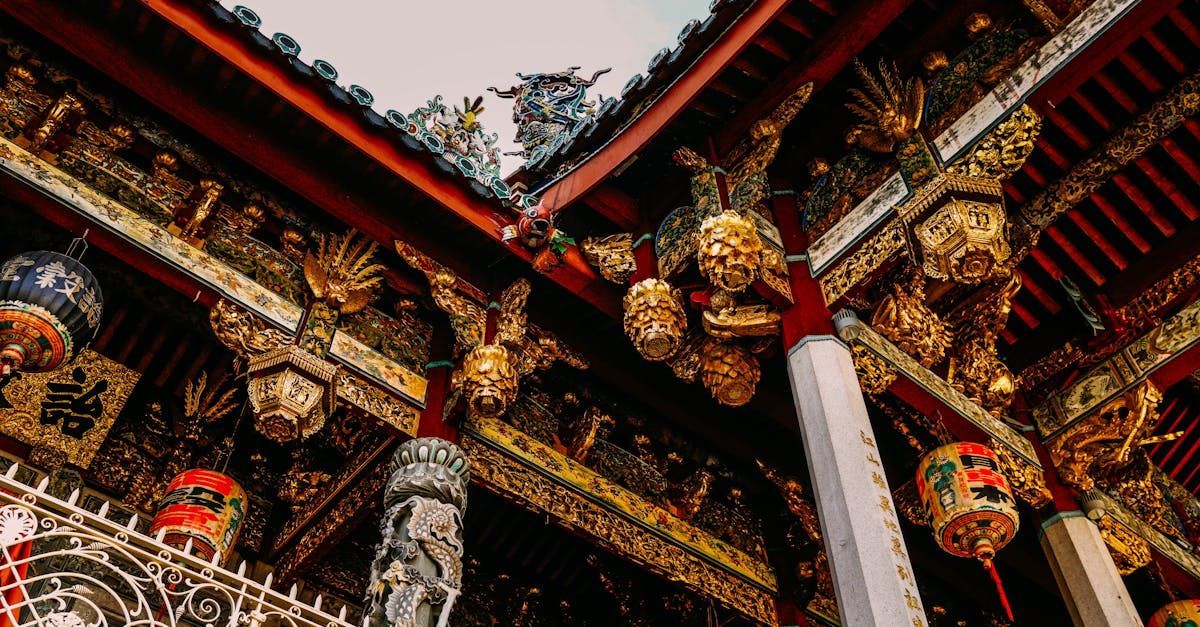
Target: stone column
[[417, 572], [871, 571], [1092, 588]]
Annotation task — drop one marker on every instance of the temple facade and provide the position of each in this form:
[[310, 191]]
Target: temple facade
[[842, 312]]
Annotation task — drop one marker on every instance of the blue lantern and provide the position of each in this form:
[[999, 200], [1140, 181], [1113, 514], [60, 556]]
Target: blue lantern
[[50, 307]]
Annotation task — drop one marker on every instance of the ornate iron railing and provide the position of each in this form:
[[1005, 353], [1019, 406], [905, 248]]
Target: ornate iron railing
[[64, 566]]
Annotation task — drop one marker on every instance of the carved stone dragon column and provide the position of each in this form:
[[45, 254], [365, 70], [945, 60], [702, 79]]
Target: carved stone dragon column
[[417, 572]]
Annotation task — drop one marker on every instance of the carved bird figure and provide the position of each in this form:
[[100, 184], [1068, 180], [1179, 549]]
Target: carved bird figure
[[341, 272], [890, 108], [490, 370]]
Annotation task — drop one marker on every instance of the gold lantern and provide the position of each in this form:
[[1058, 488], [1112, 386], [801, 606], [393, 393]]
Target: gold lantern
[[729, 250], [969, 503], [729, 371], [961, 226], [1184, 613], [292, 392], [654, 318]]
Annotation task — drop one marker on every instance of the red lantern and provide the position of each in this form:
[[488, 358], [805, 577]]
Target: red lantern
[[1184, 613], [204, 506], [969, 503]]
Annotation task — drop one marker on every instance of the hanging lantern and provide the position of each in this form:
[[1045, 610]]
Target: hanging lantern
[[1177, 614], [729, 371], [729, 251], [654, 318], [292, 392], [50, 308], [969, 503], [204, 506]]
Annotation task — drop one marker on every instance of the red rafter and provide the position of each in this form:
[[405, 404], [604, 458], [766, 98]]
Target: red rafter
[[1168, 188], [1075, 255], [1140, 19], [1076, 216], [1118, 220], [852, 32], [1143, 203], [773, 47], [793, 23], [1047, 301], [1185, 26]]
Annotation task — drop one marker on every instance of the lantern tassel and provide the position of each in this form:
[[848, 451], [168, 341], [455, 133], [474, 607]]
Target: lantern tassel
[[991, 568]]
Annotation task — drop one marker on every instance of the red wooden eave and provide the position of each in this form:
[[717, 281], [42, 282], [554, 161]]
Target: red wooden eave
[[670, 104], [86, 40], [574, 274]]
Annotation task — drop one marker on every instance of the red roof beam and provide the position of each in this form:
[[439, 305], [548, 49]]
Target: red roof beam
[[1139, 20], [1075, 255], [1078, 137], [1025, 315], [1181, 157], [1032, 286], [1093, 111], [1139, 71], [773, 47], [1076, 216], [795, 24], [612, 203], [1185, 26], [1169, 189]]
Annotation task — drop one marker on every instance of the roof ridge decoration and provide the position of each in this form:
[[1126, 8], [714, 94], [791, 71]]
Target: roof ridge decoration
[[453, 134], [550, 109]]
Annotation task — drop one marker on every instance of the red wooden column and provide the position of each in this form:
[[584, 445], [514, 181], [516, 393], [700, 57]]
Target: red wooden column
[[437, 373], [808, 315]]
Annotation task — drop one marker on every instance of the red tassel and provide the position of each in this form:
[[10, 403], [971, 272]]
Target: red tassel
[[991, 568]]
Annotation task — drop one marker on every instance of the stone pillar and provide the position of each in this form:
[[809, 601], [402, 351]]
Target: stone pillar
[[417, 572], [871, 571], [1093, 590]]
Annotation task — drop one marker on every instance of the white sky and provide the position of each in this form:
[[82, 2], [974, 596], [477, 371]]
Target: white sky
[[405, 52]]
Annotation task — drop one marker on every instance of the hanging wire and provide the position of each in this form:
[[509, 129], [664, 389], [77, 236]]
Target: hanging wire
[[78, 246], [227, 454]]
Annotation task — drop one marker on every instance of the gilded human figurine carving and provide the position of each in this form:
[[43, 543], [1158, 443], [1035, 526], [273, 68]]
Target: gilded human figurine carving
[[417, 572], [904, 318]]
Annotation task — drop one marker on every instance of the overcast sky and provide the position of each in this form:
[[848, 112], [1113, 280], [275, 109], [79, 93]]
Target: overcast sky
[[405, 51]]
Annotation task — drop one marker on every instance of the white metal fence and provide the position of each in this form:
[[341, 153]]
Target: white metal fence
[[64, 566]]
